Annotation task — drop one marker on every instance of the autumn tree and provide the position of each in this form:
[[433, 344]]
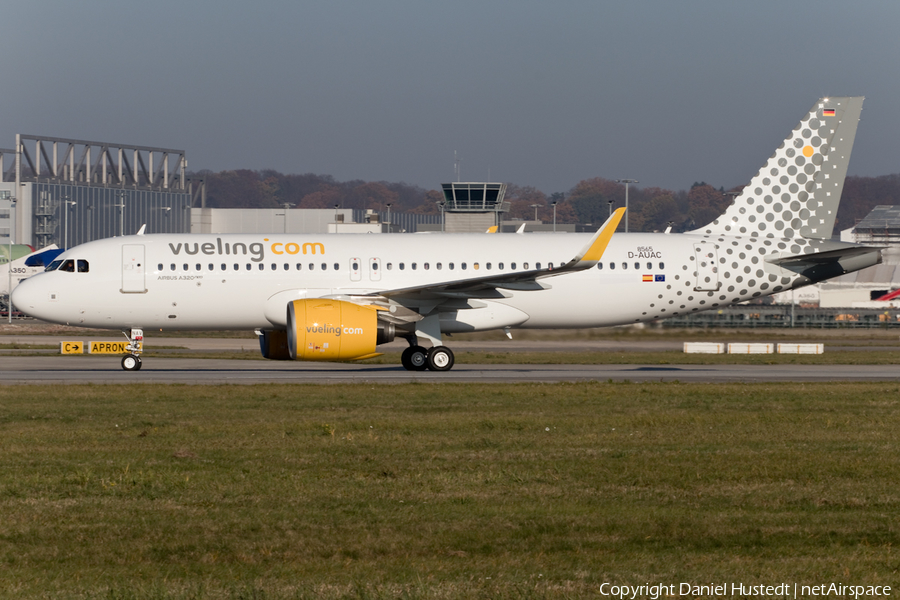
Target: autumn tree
[[370, 195], [238, 189], [327, 197], [659, 212], [590, 199], [706, 203], [430, 205], [521, 200]]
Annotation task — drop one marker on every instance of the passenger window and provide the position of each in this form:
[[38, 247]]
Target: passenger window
[[82, 266], [549, 265], [624, 265], [414, 266], [612, 266], [249, 266], [337, 267], [212, 267], [198, 267], [159, 267], [374, 266], [184, 267], [525, 266], [512, 266], [224, 266], [299, 267], [356, 266], [600, 266], [426, 266], [274, 267], [402, 266], [649, 265], [390, 266], [324, 267], [312, 267], [463, 266], [438, 266], [236, 266], [500, 266], [287, 267], [637, 266], [172, 267], [537, 265], [487, 266], [452, 266], [475, 266], [662, 266], [262, 267]]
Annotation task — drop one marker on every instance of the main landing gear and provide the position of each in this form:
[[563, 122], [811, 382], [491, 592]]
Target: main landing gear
[[132, 360], [436, 358]]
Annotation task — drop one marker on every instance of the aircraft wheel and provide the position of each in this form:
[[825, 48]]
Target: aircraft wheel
[[131, 362], [440, 358], [414, 358]]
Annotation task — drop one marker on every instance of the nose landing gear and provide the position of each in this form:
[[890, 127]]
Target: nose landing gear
[[132, 360]]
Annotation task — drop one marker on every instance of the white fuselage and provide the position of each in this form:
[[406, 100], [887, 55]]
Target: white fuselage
[[184, 281]]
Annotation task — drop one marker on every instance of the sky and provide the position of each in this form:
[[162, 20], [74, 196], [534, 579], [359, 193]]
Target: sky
[[527, 92]]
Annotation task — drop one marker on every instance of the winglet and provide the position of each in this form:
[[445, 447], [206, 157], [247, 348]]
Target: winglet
[[492, 229], [594, 250], [142, 229]]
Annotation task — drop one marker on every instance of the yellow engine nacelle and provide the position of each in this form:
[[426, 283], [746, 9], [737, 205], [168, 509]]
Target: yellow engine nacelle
[[323, 329]]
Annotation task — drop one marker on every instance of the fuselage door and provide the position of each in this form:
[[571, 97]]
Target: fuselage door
[[706, 265], [133, 269], [355, 269], [375, 269]]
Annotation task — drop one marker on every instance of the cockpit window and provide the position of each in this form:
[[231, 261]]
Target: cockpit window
[[82, 266], [68, 266], [54, 265]]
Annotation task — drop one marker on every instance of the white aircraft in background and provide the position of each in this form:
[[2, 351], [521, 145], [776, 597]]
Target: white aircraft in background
[[25, 266], [337, 297]]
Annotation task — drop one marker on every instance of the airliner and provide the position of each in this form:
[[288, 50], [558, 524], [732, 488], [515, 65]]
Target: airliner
[[337, 297], [27, 265]]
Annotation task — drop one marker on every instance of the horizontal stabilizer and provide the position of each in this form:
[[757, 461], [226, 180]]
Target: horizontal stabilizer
[[830, 263]]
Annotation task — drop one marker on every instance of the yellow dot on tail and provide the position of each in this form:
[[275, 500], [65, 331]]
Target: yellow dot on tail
[[808, 151]]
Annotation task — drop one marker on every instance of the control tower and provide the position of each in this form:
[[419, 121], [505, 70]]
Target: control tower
[[473, 206]]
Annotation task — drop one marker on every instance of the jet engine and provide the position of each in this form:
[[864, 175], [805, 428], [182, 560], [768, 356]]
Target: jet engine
[[274, 345], [325, 329]]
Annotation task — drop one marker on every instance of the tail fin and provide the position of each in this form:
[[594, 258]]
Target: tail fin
[[797, 192]]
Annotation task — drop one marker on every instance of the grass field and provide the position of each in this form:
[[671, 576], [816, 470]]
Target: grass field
[[443, 491]]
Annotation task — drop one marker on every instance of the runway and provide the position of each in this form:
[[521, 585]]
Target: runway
[[70, 370]]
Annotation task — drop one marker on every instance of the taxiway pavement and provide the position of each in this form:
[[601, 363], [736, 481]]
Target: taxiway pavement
[[106, 370]]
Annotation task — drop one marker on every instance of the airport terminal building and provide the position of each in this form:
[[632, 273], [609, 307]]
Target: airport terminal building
[[67, 192]]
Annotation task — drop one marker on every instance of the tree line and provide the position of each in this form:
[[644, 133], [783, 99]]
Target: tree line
[[650, 208]]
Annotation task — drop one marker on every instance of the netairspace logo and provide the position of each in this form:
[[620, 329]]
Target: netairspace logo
[[742, 590]]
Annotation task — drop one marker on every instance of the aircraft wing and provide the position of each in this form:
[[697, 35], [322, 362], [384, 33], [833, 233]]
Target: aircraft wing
[[454, 294]]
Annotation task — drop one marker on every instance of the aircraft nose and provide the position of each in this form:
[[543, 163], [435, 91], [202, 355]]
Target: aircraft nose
[[28, 297]]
